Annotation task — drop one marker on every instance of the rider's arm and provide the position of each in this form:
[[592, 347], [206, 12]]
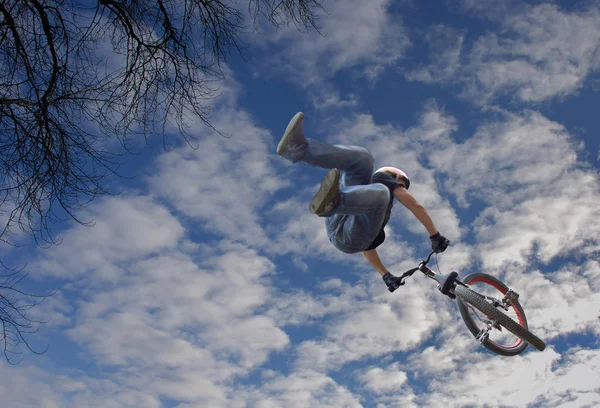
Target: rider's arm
[[417, 209], [373, 257]]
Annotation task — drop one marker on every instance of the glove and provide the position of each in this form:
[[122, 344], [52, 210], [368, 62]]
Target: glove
[[439, 243], [392, 282]]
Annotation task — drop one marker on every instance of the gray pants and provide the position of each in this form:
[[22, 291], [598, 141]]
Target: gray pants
[[363, 206]]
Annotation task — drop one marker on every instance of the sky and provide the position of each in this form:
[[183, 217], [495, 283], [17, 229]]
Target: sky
[[208, 283]]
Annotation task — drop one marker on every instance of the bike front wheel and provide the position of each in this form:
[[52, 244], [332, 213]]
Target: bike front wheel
[[509, 334]]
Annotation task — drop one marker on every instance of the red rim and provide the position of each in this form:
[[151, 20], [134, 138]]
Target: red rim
[[517, 311]]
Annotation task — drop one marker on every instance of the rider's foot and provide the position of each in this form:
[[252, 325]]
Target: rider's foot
[[392, 282], [293, 136], [328, 196]]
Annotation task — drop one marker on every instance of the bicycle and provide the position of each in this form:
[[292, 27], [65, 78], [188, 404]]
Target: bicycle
[[485, 314]]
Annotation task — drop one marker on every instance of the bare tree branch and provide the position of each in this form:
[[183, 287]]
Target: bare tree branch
[[77, 74], [15, 323], [66, 93]]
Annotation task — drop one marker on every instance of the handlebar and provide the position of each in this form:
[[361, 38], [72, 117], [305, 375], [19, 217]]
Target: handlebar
[[425, 262], [413, 270]]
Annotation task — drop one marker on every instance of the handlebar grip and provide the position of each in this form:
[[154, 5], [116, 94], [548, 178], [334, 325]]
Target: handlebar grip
[[408, 273]]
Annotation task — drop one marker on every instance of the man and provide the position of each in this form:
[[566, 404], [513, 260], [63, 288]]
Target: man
[[355, 202]]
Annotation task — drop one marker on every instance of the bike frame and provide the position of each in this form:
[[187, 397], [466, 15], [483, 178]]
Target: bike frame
[[446, 282]]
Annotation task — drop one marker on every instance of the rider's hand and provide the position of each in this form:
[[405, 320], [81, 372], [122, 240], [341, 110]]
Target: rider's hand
[[392, 282], [439, 243]]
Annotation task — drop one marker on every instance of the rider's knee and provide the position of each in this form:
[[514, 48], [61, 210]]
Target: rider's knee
[[367, 156], [365, 159], [381, 193]]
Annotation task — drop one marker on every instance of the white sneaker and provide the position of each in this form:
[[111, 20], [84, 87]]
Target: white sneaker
[[328, 197], [294, 134]]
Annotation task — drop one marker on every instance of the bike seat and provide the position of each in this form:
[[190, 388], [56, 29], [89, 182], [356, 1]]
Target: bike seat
[[446, 282]]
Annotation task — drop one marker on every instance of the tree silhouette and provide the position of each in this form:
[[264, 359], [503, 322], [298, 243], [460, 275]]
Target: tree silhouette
[[77, 74], [15, 323]]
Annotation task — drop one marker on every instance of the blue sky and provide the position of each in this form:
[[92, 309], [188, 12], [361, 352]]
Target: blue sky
[[207, 283]]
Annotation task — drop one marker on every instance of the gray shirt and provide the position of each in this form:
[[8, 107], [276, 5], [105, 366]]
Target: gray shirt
[[391, 183]]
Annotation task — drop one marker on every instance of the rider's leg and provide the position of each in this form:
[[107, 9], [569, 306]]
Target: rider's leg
[[356, 195], [354, 162], [355, 222], [359, 218]]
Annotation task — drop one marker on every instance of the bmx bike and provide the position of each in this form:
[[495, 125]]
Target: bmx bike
[[489, 308]]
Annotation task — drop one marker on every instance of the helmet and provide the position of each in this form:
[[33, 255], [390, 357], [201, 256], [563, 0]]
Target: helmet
[[396, 173]]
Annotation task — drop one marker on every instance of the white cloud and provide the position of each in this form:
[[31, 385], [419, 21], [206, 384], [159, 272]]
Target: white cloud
[[53, 310], [544, 379], [373, 326], [183, 324], [445, 48], [389, 385], [26, 386], [19, 381], [539, 52], [182, 328], [517, 154], [559, 303], [560, 224], [383, 380], [300, 308], [303, 388], [362, 39], [297, 231], [125, 228], [359, 35], [164, 297], [526, 170], [331, 99], [224, 181]]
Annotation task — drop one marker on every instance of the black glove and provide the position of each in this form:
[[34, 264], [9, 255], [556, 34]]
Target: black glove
[[392, 282], [439, 243]]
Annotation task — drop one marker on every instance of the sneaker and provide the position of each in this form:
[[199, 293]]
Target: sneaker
[[293, 136], [328, 197]]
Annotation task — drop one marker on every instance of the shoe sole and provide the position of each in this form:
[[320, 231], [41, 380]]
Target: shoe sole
[[328, 189], [291, 127]]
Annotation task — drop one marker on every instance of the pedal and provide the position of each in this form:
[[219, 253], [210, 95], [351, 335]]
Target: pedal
[[483, 335]]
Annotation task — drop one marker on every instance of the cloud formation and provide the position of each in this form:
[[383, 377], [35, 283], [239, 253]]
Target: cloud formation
[[378, 40], [538, 52], [212, 285]]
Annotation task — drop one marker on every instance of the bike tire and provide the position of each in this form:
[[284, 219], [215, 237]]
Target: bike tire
[[488, 343], [469, 296]]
